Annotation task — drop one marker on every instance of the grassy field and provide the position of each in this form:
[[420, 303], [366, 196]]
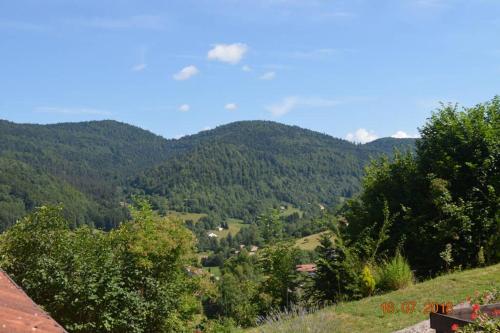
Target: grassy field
[[290, 210], [186, 216], [213, 270], [309, 242], [234, 226], [366, 315]]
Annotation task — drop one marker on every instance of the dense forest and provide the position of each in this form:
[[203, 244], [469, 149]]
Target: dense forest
[[241, 169], [89, 161], [236, 170]]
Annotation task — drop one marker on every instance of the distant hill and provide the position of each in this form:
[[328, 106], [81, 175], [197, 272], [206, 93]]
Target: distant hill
[[387, 145], [235, 170], [242, 168], [82, 165]]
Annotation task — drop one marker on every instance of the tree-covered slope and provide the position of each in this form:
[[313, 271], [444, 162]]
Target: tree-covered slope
[[241, 168], [235, 170], [81, 165]]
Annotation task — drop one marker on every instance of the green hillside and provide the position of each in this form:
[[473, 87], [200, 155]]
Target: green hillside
[[91, 160], [242, 168], [236, 170]]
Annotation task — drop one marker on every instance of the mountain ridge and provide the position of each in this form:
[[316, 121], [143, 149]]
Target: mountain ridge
[[247, 165]]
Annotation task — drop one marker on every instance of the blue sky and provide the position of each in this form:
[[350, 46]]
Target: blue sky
[[355, 69]]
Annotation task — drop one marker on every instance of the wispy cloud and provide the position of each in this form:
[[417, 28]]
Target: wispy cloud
[[268, 76], [72, 111], [231, 106], [246, 68], [316, 53], [186, 73], [431, 3], [146, 22], [294, 102], [337, 14], [229, 53], [22, 25], [361, 135], [141, 64], [139, 67], [184, 108]]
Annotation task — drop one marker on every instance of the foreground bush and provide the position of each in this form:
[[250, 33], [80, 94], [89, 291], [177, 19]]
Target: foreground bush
[[130, 280], [298, 319], [394, 274]]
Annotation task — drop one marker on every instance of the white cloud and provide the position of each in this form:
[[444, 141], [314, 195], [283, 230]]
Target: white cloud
[[230, 53], [184, 108], [246, 68], [403, 135], [207, 128], [146, 22], [400, 135], [361, 136], [293, 102], [280, 109], [268, 76], [72, 111], [186, 73], [139, 67], [231, 106]]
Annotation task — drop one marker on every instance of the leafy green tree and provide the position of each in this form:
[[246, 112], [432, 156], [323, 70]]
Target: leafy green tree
[[271, 226], [445, 193], [238, 287], [278, 264], [133, 279]]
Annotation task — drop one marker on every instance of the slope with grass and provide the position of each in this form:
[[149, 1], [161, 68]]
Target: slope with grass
[[310, 242], [366, 315]]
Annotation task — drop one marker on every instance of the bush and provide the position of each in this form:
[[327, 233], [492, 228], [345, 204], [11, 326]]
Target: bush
[[394, 274], [368, 281], [298, 319]]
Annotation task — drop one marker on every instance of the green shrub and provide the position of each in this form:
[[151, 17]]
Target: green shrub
[[394, 274], [368, 281], [298, 319]]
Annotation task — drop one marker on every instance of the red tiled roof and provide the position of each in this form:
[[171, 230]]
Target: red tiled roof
[[306, 268], [19, 314]]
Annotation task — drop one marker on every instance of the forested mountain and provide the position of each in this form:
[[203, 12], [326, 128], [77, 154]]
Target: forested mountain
[[234, 170], [81, 165], [242, 168]]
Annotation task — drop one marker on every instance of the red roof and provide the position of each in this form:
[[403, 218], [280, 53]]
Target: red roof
[[309, 268], [19, 314]]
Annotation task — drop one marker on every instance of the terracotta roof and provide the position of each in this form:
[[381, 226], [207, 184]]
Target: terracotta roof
[[309, 268], [19, 314]]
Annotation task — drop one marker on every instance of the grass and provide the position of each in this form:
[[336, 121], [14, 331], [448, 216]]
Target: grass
[[366, 315], [310, 242], [186, 216], [289, 210], [234, 226], [213, 270]]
